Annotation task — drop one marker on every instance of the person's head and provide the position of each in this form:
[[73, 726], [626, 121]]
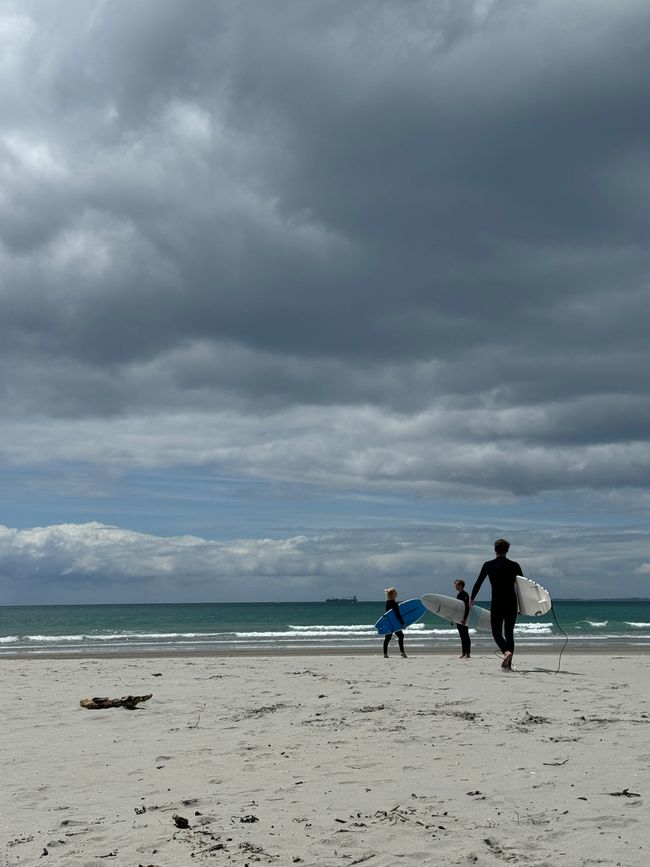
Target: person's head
[[459, 584], [391, 593], [502, 546]]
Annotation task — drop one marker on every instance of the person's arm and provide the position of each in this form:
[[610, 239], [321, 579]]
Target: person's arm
[[398, 613], [465, 598], [477, 584]]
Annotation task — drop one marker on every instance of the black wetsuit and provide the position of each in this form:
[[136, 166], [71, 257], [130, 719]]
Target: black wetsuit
[[503, 609], [392, 604], [463, 631]]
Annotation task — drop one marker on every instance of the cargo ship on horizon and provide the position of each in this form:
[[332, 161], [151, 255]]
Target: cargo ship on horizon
[[351, 599]]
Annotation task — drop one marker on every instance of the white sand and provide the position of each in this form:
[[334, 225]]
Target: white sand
[[341, 760]]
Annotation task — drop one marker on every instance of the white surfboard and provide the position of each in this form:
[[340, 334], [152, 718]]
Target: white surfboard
[[453, 609], [532, 598]]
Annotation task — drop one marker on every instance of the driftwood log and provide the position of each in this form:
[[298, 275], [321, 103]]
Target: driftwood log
[[100, 703]]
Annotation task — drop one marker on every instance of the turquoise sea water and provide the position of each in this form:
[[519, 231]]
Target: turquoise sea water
[[73, 629]]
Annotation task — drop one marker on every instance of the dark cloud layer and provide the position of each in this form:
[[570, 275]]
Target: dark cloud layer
[[371, 244]]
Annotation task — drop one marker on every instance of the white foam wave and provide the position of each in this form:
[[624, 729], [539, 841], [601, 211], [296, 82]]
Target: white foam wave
[[355, 627], [534, 628], [637, 625], [117, 636], [332, 632], [51, 638]]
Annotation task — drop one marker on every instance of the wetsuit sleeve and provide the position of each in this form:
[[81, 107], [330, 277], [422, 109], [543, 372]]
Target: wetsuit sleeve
[[479, 581], [464, 597], [395, 607]]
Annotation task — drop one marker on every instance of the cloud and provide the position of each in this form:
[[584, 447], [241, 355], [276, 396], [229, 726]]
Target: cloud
[[459, 453], [99, 563], [368, 247]]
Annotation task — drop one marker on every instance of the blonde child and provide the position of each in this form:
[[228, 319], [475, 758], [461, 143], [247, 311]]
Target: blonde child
[[391, 604]]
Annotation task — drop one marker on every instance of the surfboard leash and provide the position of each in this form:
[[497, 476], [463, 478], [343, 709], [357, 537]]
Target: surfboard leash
[[566, 639]]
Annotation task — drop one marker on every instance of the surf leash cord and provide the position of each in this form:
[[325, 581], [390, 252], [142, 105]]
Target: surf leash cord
[[566, 639]]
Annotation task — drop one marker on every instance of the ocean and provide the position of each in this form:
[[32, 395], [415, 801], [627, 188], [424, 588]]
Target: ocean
[[39, 630]]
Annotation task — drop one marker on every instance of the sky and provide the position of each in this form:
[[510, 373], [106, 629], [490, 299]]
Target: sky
[[311, 299]]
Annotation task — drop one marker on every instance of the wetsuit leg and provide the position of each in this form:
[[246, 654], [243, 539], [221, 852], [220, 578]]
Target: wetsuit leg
[[509, 620], [400, 640], [465, 642], [496, 621], [502, 620], [387, 640]]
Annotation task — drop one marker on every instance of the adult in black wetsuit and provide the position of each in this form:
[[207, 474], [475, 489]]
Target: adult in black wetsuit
[[391, 603], [503, 609], [463, 631]]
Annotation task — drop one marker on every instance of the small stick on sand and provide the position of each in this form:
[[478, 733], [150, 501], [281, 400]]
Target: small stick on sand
[[127, 701]]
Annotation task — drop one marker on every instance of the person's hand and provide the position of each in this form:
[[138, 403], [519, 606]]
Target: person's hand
[[463, 622], [471, 603]]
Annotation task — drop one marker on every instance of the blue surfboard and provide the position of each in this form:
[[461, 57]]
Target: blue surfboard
[[411, 610]]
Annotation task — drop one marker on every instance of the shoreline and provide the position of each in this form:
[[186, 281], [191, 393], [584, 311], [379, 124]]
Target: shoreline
[[582, 650]]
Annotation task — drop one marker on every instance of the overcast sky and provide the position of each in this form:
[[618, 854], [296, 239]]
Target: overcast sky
[[299, 299]]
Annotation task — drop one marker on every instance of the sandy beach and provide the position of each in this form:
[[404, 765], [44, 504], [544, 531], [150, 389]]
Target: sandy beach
[[327, 760]]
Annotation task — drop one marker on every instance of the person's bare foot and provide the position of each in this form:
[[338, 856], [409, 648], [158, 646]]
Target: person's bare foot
[[507, 660]]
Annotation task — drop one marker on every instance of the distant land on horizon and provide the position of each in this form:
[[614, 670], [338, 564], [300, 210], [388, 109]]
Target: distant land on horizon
[[556, 599], [289, 602], [603, 599], [574, 599]]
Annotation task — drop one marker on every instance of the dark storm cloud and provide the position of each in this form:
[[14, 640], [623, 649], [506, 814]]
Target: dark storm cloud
[[394, 243]]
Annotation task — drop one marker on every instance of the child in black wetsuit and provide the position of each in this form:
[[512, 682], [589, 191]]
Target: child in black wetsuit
[[391, 603], [463, 631]]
